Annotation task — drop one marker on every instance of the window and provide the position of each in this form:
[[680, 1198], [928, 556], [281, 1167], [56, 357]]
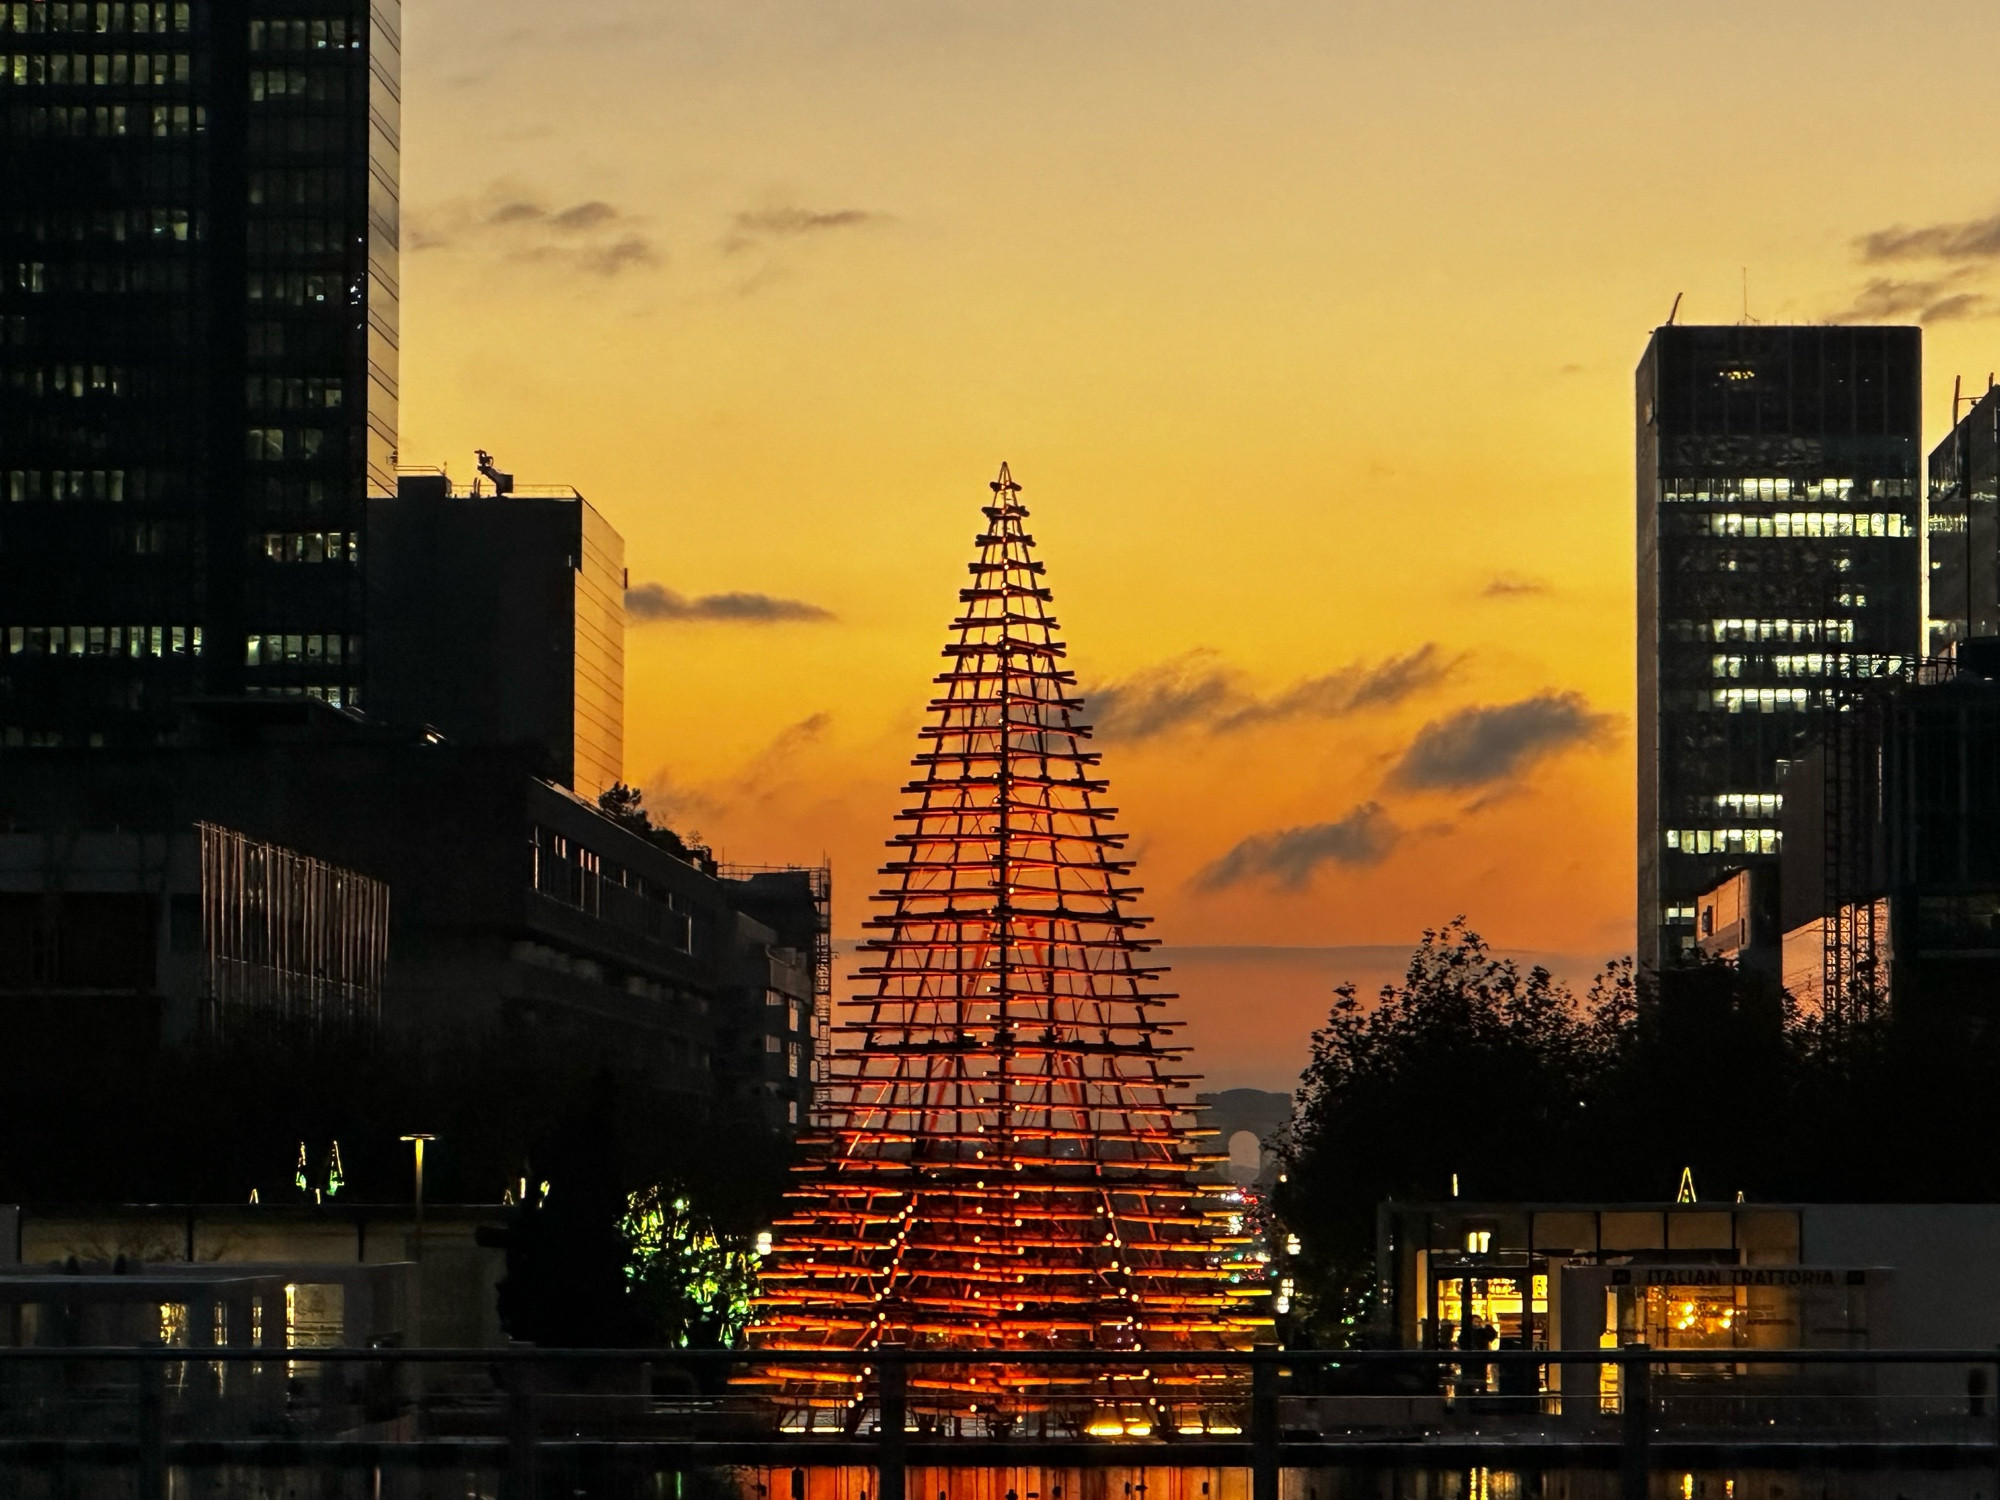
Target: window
[[312, 547], [1723, 841], [1807, 523], [1752, 804], [130, 641], [1760, 700], [1775, 489]]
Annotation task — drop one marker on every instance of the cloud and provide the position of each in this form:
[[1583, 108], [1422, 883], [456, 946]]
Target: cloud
[[584, 217], [1191, 689], [769, 771], [1514, 586], [1291, 856], [594, 237], [1478, 746], [804, 220], [767, 777], [609, 260], [655, 603], [788, 222], [1967, 240], [1934, 300], [1198, 691]]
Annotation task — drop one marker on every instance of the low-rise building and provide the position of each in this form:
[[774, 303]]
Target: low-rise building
[[1690, 1275], [290, 859]]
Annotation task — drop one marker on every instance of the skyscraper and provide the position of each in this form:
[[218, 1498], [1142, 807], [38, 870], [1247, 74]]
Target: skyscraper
[[1964, 524], [198, 352], [1779, 558]]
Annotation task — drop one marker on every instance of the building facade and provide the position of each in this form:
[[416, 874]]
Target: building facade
[[1779, 560], [499, 619], [1963, 528], [198, 353], [513, 907], [1890, 876], [1690, 1275]]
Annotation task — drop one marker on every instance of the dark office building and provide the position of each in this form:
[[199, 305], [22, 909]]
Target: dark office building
[[1890, 877], [1778, 561], [499, 619], [143, 899], [198, 313], [1965, 528]]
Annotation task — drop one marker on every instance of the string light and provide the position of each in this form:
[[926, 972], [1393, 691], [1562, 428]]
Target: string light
[[1011, 1026]]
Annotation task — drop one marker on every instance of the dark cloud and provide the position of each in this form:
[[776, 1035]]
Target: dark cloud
[[654, 603], [621, 255], [1291, 856], [1197, 691], [594, 237], [1479, 746], [586, 216], [1514, 586], [804, 220], [1930, 300], [1968, 240], [756, 226], [1192, 689]]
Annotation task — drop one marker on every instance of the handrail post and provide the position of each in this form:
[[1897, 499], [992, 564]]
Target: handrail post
[[892, 1387], [1635, 1383], [1264, 1423], [152, 1429], [1996, 1423], [523, 1442]]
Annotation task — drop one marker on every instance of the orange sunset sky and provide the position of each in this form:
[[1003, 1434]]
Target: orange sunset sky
[[1308, 327]]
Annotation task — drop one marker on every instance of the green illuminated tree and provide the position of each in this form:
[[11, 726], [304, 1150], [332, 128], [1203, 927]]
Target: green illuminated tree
[[691, 1288]]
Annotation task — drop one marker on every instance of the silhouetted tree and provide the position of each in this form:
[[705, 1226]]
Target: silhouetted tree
[[1468, 1067], [1471, 1069]]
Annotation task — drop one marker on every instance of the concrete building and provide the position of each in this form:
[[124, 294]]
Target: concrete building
[[1693, 1275], [1890, 879], [510, 903], [499, 619], [359, 1264], [1962, 531]]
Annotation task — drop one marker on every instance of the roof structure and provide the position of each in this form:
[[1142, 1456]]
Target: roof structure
[[1014, 1159]]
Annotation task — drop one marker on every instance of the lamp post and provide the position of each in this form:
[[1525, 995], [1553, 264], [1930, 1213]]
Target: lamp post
[[417, 1311]]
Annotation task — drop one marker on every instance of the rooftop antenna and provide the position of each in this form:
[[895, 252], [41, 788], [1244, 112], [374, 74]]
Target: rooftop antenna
[[1675, 309], [1746, 296], [503, 484]]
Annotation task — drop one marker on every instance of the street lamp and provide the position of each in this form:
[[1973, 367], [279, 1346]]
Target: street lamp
[[417, 1312]]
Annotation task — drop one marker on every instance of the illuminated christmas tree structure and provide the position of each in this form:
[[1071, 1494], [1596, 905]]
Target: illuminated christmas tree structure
[[1012, 1161]]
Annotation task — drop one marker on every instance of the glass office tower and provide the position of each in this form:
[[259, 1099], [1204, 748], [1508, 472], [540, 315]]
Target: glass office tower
[[1780, 561], [198, 283], [1964, 528]]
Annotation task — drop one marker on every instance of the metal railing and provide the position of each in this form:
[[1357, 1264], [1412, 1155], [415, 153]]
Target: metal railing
[[525, 1416]]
